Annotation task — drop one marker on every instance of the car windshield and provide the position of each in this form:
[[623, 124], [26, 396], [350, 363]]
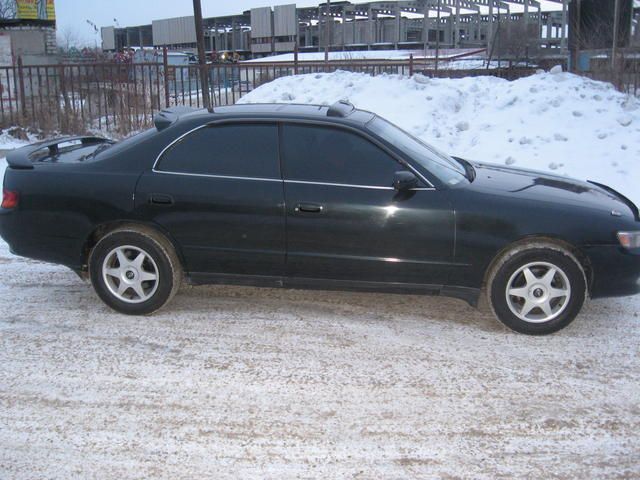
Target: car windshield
[[439, 164]]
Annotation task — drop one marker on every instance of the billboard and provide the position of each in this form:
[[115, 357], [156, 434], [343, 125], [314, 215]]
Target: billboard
[[35, 9]]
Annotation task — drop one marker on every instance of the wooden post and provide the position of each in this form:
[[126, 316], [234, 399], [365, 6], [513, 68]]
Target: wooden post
[[202, 59], [165, 67], [411, 65], [295, 59], [23, 96], [326, 58]]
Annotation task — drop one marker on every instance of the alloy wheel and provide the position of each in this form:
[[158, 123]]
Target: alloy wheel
[[538, 292], [130, 274]]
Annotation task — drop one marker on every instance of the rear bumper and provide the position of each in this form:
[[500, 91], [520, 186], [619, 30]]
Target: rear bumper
[[616, 271], [27, 240]]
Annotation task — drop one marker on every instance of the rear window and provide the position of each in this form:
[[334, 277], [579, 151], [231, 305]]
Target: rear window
[[235, 150]]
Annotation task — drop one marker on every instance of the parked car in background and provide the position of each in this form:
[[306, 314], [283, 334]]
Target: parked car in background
[[323, 197]]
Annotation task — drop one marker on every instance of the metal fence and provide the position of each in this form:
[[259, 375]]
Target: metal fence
[[122, 98]]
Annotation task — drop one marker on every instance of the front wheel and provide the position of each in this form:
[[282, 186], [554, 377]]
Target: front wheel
[[537, 290], [134, 270]]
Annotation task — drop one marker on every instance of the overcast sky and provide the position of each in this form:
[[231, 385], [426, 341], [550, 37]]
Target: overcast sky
[[73, 14]]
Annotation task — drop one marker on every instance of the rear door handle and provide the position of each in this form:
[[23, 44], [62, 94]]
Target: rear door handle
[[309, 208], [160, 199]]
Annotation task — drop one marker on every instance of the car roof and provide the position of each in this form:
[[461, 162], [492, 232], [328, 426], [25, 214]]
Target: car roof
[[342, 111], [339, 112], [273, 108]]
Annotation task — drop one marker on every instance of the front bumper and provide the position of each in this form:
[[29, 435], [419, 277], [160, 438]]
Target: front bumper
[[615, 271]]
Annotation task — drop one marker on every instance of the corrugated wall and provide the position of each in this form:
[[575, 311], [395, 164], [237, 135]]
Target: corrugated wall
[[108, 38], [285, 20], [261, 25], [173, 31]]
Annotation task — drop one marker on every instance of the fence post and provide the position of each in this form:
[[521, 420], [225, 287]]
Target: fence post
[[295, 59], [23, 96], [165, 66], [326, 58], [411, 65]]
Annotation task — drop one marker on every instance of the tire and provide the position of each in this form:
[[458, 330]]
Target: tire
[[537, 288], [135, 270]]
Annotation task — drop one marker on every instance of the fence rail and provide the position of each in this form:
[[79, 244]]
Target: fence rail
[[122, 98]]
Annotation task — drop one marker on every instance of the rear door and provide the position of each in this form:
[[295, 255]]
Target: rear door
[[218, 191], [345, 221]]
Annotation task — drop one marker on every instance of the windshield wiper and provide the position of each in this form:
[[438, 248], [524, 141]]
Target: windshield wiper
[[470, 172]]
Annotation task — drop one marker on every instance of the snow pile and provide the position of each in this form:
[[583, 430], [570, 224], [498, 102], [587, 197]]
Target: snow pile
[[552, 121]]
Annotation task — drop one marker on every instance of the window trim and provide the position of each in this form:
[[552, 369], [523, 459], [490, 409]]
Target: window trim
[[280, 123], [273, 122]]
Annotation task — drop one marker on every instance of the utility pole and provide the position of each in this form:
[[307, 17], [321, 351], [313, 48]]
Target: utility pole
[[202, 59], [616, 28], [577, 37], [438, 35], [327, 32]]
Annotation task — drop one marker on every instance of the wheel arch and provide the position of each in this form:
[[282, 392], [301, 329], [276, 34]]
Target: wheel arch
[[583, 260], [103, 229]]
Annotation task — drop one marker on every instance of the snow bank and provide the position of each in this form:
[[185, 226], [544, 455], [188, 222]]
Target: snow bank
[[549, 121]]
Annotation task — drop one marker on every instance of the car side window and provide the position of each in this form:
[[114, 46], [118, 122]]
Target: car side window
[[236, 150], [332, 155]]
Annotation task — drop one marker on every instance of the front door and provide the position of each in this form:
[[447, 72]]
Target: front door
[[218, 192], [346, 222]]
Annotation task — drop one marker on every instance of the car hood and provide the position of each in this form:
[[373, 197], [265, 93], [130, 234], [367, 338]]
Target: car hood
[[547, 187]]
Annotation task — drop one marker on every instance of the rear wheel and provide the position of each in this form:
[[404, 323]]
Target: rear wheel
[[537, 289], [134, 270]]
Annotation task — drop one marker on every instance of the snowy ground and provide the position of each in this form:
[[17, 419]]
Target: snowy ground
[[231, 382], [550, 121]]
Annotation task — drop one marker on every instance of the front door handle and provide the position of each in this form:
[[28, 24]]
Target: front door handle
[[309, 208], [160, 199]]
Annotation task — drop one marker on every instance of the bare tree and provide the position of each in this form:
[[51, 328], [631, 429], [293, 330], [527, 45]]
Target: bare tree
[[517, 41], [8, 9], [68, 38]]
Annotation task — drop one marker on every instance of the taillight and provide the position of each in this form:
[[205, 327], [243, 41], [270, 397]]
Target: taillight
[[9, 199]]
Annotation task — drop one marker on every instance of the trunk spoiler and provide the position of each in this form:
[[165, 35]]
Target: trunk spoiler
[[165, 118], [624, 199], [21, 157]]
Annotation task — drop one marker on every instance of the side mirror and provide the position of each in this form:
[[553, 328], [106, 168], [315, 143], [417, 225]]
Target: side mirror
[[405, 180]]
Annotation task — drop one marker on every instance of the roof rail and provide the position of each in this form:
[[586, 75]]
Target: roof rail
[[341, 108]]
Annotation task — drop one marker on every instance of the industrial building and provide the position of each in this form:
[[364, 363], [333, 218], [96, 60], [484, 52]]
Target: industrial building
[[28, 32], [404, 24]]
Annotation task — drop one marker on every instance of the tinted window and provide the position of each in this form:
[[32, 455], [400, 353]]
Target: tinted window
[[436, 162], [330, 155], [240, 150]]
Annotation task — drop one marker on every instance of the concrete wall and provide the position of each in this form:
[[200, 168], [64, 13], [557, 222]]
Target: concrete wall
[[174, 31], [36, 45]]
